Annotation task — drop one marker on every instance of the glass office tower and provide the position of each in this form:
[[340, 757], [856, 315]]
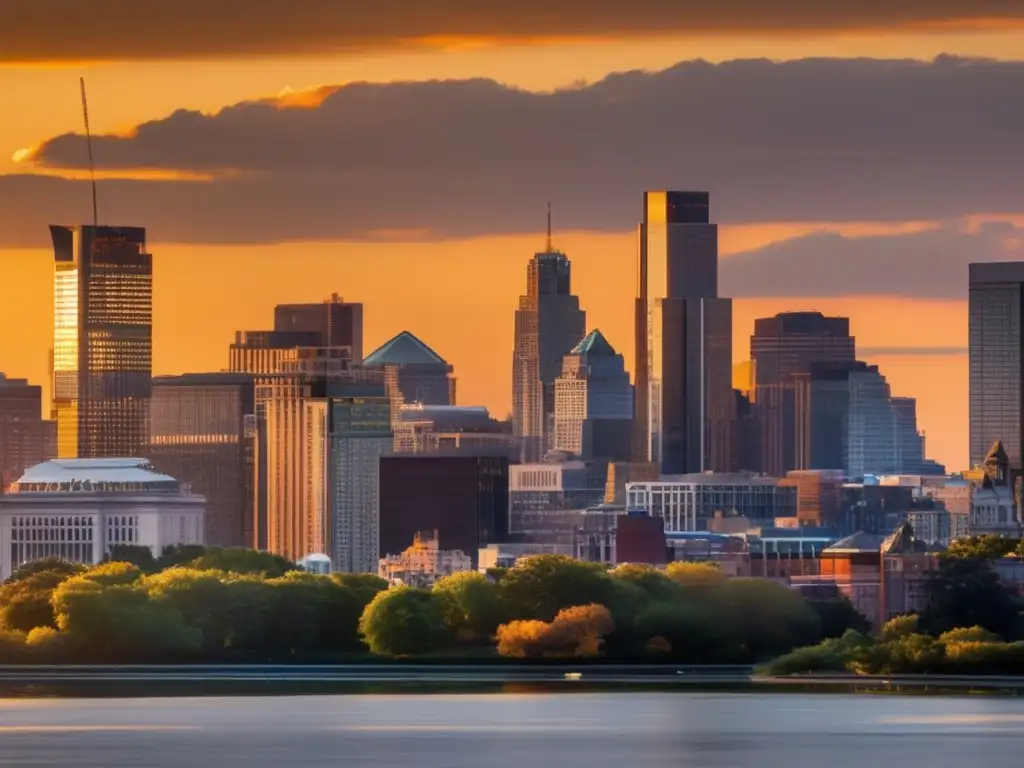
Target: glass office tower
[[994, 338], [683, 339], [103, 340]]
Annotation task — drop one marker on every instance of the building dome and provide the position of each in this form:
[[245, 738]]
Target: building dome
[[95, 476]]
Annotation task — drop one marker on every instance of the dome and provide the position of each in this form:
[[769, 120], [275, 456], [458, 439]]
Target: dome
[[95, 475]]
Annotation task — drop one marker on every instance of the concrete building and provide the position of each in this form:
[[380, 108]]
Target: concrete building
[[102, 340], [26, 439], [198, 433], [77, 509], [996, 352], [548, 324], [817, 495], [423, 563], [594, 402], [688, 502], [336, 322], [994, 507], [538, 489], [683, 367], [413, 373]]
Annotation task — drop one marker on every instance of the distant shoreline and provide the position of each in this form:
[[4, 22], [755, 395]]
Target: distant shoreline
[[132, 681]]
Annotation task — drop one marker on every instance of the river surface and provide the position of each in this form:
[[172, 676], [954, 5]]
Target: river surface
[[626, 730]]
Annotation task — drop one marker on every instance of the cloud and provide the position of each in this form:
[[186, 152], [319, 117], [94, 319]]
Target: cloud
[[811, 140], [72, 30], [928, 264]]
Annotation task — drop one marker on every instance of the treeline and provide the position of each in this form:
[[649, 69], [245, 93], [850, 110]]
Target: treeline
[[238, 605]]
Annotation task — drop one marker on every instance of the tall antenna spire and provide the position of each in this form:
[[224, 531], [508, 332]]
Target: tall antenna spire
[[548, 250], [88, 142]]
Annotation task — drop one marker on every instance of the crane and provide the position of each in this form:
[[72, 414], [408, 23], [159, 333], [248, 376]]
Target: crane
[[88, 142]]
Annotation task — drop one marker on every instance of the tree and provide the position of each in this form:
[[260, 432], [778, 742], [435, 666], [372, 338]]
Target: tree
[[838, 616], [25, 604], [471, 605], [198, 597], [179, 554], [47, 564], [966, 592], [987, 547], [112, 573], [538, 587], [656, 584], [139, 556], [243, 561], [403, 621], [900, 626], [695, 574], [574, 632]]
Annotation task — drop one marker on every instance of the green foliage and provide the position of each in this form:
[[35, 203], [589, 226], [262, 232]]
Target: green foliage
[[695, 574], [402, 621], [655, 584], [966, 592], [988, 547], [46, 565], [824, 657], [243, 561], [574, 632], [471, 605], [112, 573], [25, 604], [901, 626], [139, 556], [539, 587], [179, 554], [839, 616]]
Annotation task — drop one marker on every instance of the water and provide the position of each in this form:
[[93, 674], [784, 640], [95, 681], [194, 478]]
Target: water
[[513, 730]]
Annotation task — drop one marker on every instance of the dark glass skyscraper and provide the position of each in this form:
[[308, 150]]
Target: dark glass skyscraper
[[548, 324], [339, 322], [25, 438], [684, 398], [782, 348], [103, 340], [996, 314]]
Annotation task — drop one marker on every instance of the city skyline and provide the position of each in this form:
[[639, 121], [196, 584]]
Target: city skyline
[[808, 245]]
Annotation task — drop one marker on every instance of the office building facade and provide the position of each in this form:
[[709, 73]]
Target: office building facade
[[683, 401], [783, 347], [464, 498], [548, 324], [103, 340], [413, 373], [26, 439], [996, 315], [337, 322], [594, 402], [198, 434]]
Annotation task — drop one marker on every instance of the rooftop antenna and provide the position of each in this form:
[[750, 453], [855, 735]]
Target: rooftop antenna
[[88, 142], [549, 228]]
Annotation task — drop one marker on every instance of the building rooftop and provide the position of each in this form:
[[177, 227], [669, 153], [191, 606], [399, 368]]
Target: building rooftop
[[404, 349], [594, 344], [94, 475], [858, 542]]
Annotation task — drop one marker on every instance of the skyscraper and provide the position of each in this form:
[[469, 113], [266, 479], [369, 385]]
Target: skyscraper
[[198, 435], [413, 373], [782, 348], [339, 322], [103, 340], [25, 438], [548, 324], [684, 397], [594, 402], [996, 314]]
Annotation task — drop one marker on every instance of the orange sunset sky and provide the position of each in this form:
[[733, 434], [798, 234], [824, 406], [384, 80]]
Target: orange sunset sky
[[892, 268]]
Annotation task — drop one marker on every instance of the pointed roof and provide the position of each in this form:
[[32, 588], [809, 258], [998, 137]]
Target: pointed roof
[[997, 453], [404, 349], [594, 344], [858, 542]]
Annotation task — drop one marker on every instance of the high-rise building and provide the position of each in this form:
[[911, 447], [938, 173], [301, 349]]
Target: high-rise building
[[339, 322], [260, 352], [909, 440], [783, 347], [324, 423], [26, 439], [464, 498], [996, 314], [594, 402], [413, 373], [848, 420], [198, 434], [684, 397], [451, 430], [103, 340], [548, 324]]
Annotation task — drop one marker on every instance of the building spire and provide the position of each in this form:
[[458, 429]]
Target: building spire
[[548, 249]]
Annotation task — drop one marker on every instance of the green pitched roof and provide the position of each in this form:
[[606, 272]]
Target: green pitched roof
[[594, 344], [404, 349]]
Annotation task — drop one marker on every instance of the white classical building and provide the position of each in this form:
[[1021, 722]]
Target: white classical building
[[77, 509]]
